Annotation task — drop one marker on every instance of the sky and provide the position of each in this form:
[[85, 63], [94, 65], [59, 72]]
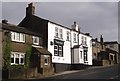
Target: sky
[[97, 18]]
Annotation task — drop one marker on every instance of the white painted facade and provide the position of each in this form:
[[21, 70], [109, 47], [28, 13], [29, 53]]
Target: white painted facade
[[70, 56], [66, 47]]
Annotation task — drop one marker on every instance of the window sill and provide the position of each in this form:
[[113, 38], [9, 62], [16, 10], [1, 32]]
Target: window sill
[[18, 41], [68, 40], [58, 38], [74, 42]]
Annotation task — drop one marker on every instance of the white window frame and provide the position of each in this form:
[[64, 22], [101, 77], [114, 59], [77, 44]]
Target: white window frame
[[34, 38], [60, 51], [46, 57], [74, 37], [68, 36], [18, 37], [82, 39], [85, 40], [56, 50], [60, 33], [14, 55], [56, 32]]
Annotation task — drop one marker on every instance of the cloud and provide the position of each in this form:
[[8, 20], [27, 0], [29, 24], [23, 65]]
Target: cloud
[[94, 17]]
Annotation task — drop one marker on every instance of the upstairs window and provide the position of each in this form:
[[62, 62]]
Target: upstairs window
[[56, 32], [60, 33], [111, 45], [68, 35], [84, 40], [74, 37], [18, 37], [35, 40]]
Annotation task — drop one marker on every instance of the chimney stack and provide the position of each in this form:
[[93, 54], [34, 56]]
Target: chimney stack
[[88, 34], [5, 21], [101, 39], [75, 27], [96, 39], [30, 10]]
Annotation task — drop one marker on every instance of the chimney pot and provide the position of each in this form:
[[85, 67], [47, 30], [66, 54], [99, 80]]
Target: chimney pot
[[30, 10]]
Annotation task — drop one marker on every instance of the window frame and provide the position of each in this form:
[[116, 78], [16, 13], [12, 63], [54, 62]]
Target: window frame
[[15, 57], [74, 37], [67, 36], [37, 39], [58, 50], [46, 57], [56, 32], [60, 33], [17, 37]]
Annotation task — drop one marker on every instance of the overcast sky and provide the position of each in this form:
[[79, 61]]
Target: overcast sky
[[94, 17]]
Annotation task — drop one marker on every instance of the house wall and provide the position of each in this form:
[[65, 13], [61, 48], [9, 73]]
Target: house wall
[[0, 54], [116, 48], [76, 56], [72, 39], [22, 48], [46, 69], [89, 45], [67, 52], [66, 59]]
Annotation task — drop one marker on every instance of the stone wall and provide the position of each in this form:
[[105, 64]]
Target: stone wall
[[0, 54], [105, 62], [21, 73]]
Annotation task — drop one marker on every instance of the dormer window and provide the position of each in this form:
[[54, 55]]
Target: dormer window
[[35, 40]]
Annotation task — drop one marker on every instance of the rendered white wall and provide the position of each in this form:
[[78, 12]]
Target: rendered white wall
[[89, 45], [66, 48]]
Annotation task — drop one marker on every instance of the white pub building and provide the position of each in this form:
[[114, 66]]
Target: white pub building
[[69, 47]]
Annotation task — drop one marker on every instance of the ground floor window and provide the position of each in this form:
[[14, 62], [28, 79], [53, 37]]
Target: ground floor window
[[58, 50], [111, 57], [46, 59], [85, 56], [17, 58], [85, 52], [58, 47]]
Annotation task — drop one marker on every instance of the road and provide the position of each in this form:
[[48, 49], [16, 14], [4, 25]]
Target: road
[[95, 73], [110, 72]]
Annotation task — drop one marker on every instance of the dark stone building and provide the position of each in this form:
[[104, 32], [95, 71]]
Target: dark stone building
[[23, 54], [102, 55]]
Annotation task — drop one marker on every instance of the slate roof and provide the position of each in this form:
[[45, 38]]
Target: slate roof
[[15, 28], [111, 42], [28, 20], [42, 50]]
